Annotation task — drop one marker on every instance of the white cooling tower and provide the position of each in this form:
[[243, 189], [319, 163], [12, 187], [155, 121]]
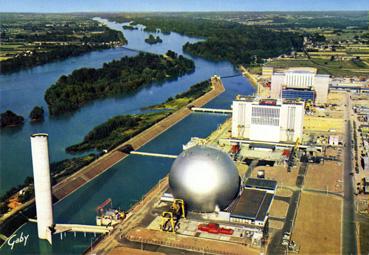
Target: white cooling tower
[[42, 184]]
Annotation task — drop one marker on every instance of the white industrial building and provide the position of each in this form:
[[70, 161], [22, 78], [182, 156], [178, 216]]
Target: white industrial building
[[303, 83], [270, 120]]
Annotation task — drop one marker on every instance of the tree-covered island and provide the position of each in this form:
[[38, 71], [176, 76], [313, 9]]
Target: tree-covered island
[[10, 119], [130, 27], [115, 78], [153, 40], [121, 128], [37, 114]]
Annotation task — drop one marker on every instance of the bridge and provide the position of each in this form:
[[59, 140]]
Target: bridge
[[211, 110], [150, 154], [300, 146], [231, 76], [60, 228]]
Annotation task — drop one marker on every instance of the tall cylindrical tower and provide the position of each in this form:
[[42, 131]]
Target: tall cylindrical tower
[[42, 184]]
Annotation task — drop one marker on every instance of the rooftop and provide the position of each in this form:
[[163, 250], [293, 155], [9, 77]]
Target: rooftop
[[266, 101], [253, 204], [258, 183]]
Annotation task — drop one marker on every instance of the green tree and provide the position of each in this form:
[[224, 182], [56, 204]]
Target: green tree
[[37, 113]]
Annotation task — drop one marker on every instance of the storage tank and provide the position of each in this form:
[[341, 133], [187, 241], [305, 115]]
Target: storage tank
[[206, 178]]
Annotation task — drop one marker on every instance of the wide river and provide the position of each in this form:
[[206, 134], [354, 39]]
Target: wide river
[[127, 181]]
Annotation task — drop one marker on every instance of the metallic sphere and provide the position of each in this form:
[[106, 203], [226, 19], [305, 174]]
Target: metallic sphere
[[205, 178]]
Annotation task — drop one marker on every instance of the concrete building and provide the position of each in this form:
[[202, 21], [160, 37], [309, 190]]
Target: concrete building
[[42, 184], [270, 120], [302, 83]]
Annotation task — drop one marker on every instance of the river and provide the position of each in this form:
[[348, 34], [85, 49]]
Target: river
[[127, 181]]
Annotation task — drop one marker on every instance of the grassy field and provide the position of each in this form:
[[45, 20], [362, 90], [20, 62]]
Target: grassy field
[[325, 66], [364, 237], [278, 173], [327, 176], [279, 208], [318, 224], [323, 124]]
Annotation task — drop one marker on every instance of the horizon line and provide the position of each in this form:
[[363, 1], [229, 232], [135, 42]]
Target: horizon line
[[209, 11]]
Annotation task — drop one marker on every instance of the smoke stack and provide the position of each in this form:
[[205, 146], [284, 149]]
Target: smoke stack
[[42, 184]]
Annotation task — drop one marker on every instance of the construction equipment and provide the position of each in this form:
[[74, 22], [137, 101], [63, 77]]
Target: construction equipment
[[178, 208], [168, 222], [109, 216], [170, 219], [293, 154]]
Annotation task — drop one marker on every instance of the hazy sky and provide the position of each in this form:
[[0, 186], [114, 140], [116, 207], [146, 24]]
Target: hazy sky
[[179, 5]]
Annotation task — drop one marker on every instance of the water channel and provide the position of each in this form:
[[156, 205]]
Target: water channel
[[127, 181]]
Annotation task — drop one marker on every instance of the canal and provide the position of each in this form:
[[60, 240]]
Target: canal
[[127, 181]]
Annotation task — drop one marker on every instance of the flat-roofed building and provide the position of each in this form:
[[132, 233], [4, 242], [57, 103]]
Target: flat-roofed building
[[302, 83], [269, 120], [252, 207]]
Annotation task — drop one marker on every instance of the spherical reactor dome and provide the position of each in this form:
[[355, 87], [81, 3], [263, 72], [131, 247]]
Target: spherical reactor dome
[[205, 178]]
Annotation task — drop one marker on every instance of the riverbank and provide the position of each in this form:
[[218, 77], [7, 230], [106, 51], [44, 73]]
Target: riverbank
[[134, 230], [260, 89], [96, 168], [31, 39], [86, 174], [108, 135]]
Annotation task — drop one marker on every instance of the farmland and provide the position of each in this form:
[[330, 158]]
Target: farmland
[[28, 40]]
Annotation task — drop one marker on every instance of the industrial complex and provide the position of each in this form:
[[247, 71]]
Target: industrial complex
[[248, 187], [303, 83]]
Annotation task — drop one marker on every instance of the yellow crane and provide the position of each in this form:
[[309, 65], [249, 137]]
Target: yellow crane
[[172, 216]]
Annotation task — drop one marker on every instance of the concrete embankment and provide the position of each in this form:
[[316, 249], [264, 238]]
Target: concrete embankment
[[66, 187], [86, 174], [260, 89]]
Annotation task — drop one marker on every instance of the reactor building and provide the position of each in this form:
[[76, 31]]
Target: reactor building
[[205, 178], [300, 83], [269, 120], [208, 182]]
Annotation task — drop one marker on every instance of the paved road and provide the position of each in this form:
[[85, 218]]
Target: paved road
[[275, 246], [348, 222]]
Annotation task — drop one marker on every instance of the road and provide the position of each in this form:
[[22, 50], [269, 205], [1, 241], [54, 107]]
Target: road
[[349, 244], [275, 246]]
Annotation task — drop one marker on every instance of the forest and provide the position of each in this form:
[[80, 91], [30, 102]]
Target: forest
[[115, 78], [184, 98], [119, 129], [224, 40], [116, 131], [42, 57]]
